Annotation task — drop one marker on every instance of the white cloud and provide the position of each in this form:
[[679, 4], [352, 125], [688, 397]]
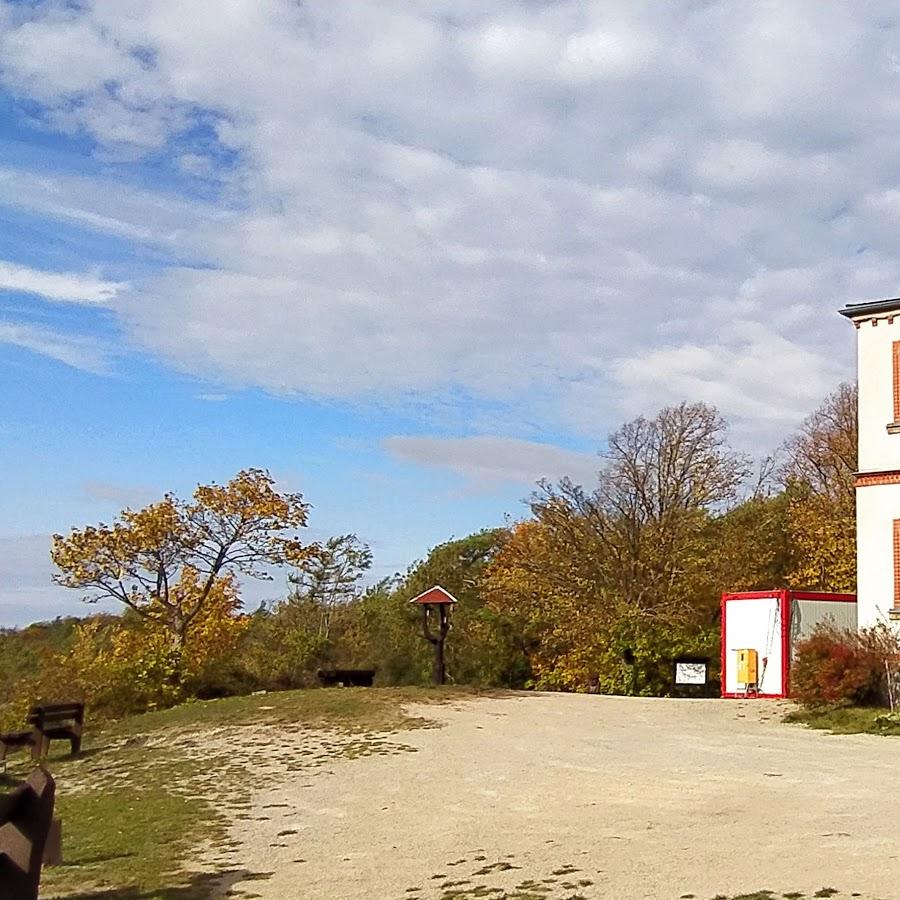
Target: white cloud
[[491, 461], [77, 352], [112, 207], [771, 379], [72, 287], [569, 210]]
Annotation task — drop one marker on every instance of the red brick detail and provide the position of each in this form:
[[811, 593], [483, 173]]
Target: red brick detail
[[869, 479], [896, 563], [896, 350]]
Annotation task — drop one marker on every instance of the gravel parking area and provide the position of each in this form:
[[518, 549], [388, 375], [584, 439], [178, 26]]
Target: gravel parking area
[[577, 796]]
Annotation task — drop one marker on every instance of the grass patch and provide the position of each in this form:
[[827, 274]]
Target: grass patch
[[847, 720], [790, 895], [356, 709], [149, 790]]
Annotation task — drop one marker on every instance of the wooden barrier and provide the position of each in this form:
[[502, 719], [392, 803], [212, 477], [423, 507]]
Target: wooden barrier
[[26, 821]]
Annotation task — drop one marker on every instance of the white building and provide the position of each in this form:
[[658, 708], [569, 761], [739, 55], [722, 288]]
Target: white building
[[878, 480]]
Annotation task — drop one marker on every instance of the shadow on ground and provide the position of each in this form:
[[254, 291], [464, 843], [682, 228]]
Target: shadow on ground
[[201, 886]]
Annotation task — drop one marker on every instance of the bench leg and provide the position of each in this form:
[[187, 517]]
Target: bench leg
[[53, 848], [75, 742], [41, 747]]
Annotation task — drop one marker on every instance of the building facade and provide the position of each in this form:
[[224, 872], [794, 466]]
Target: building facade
[[878, 480]]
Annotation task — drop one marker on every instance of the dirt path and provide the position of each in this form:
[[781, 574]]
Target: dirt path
[[554, 795]]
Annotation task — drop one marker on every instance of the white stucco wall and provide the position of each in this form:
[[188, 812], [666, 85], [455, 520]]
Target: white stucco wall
[[878, 450], [876, 508]]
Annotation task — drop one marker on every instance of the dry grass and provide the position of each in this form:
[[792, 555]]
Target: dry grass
[[154, 791]]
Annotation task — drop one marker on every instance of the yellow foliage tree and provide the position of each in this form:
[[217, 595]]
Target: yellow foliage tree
[[128, 664], [534, 583], [819, 477], [165, 562]]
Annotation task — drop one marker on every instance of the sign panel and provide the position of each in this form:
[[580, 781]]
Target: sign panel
[[690, 673]]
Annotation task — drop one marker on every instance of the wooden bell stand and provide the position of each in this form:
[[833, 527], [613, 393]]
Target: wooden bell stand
[[436, 603]]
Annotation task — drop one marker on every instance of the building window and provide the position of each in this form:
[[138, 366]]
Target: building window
[[896, 381]]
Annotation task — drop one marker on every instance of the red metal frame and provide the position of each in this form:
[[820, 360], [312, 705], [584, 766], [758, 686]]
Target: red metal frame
[[813, 595], [784, 598], [786, 609]]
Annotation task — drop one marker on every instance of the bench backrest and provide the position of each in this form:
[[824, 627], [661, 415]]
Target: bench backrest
[[25, 818], [356, 677], [54, 713]]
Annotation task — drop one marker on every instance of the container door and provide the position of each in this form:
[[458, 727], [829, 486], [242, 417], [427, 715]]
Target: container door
[[754, 624]]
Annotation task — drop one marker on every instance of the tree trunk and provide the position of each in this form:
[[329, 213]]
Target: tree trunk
[[438, 671]]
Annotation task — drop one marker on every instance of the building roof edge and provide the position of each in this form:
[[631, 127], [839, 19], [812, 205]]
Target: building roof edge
[[870, 308]]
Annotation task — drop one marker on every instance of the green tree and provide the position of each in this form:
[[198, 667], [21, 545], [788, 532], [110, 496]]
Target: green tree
[[330, 576], [481, 646]]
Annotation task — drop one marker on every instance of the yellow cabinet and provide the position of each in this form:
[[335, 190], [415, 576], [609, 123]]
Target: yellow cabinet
[[746, 666]]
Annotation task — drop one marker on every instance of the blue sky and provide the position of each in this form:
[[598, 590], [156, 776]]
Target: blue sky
[[412, 257]]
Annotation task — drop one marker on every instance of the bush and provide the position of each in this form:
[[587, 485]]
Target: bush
[[840, 668]]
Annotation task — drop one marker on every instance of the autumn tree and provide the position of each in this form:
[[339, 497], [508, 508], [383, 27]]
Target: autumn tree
[[625, 567], [751, 550], [164, 561], [536, 587], [819, 479], [659, 482]]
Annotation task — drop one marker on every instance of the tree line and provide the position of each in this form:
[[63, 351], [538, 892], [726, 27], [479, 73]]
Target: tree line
[[604, 582]]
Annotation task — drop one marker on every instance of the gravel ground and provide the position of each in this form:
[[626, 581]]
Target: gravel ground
[[577, 796]]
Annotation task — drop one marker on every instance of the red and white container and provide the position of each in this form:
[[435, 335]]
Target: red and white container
[[772, 623]]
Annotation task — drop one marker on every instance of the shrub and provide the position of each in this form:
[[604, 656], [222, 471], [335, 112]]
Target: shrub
[[840, 668]]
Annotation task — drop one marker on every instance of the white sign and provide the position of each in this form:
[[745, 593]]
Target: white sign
[[690, 673]]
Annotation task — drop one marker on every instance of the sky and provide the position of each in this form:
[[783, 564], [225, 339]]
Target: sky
[[413, 255]]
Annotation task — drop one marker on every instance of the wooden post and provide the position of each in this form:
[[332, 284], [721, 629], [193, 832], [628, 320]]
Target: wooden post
[[438, 672], [440, 600]]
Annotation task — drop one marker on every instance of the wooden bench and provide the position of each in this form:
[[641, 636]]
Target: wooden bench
[[49, 722], [27, 829], [346, 677]]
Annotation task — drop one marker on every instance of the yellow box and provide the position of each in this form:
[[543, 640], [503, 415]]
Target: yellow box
[[746, 666]]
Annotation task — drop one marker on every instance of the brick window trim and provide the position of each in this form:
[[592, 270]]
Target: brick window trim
[[896, 563], [870, 479], [895, 350]]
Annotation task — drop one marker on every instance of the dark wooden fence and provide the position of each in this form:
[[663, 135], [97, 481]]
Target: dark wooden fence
[[26, 824]]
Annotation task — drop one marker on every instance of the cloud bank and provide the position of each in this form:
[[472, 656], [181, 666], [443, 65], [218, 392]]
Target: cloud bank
[[570, 211], [487, 462]]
